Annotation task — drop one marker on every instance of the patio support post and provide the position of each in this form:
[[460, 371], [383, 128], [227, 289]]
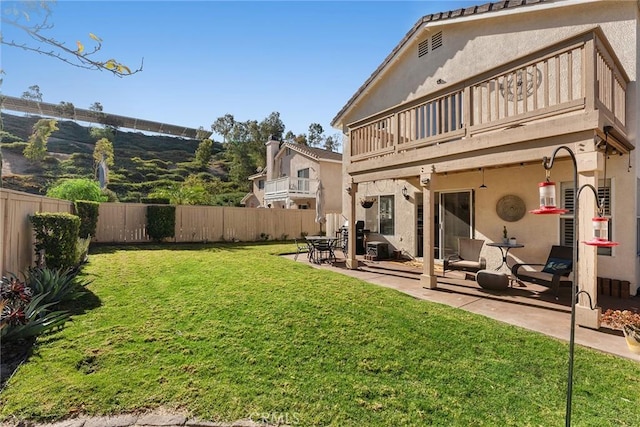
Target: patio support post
[[428, 278], [351, 261], [588, 165]]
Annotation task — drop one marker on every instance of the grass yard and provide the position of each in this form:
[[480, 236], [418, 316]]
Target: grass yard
[[232, 331]]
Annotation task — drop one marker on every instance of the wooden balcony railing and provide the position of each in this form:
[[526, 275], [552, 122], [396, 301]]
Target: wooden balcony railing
[[290, 187], [577, 74]]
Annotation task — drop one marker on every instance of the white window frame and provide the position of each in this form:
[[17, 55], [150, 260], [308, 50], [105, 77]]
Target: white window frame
[[374, 216]]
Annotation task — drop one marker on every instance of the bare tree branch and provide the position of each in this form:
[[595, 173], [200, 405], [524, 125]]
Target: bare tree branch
[[49, 46]]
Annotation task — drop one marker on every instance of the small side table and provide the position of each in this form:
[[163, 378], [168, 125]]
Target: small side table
[[504, 249]]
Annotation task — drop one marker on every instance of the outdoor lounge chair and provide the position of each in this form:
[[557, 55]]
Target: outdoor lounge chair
[[467, 258], [552, 274]]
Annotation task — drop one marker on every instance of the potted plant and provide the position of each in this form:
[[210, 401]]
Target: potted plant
[[628, 322], [367, 202]]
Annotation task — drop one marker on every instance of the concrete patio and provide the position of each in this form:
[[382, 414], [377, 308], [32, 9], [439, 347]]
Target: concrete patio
[[531, 307]]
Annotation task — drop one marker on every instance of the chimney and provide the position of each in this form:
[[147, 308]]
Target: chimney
[[273, 147]]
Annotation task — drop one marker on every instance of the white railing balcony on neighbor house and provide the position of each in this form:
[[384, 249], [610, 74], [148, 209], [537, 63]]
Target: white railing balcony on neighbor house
[[577, 74], [290, 187]]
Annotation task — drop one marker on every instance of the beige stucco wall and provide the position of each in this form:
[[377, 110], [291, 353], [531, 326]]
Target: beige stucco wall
[[331, 178], [257, 192], [478, 45]]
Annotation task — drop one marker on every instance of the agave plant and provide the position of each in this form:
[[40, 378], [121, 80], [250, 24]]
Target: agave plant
[[58, 285]]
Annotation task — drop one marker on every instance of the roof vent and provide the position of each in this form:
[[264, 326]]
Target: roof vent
[[423, 48], [436, 40]]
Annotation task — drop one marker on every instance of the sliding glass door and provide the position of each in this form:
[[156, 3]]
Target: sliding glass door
[[454, 219]]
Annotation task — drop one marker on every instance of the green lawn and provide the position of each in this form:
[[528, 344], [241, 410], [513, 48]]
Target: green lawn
[[231, 331]]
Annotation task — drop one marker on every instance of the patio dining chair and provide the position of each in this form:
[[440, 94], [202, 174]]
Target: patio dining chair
[[303, 247], [467, 258], [323, 251]]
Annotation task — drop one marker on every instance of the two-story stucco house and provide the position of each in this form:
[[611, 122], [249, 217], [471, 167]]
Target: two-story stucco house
[[292, 175], [448, 135]]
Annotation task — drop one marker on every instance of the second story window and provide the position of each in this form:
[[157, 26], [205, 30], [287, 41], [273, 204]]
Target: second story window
[[303, 180], [261, 184]]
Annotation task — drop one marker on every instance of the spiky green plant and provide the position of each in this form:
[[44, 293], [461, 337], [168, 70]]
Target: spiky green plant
[[59, 285]]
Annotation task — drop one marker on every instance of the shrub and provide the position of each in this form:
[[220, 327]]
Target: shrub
[[87, 211], [155, 200], [228, 199], [7, 137], [56, 235], [77, 189], [161, 221], [110, 195]]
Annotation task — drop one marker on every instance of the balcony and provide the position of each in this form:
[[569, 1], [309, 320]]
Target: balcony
[[290, 188], [580, 74]]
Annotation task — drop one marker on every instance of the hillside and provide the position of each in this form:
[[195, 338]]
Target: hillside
[[142, 162]]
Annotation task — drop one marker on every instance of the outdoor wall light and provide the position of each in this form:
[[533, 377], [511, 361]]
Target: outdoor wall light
[[405, 193], [483, 186]]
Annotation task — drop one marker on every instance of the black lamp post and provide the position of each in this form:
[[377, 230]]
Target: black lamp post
[[548, 205]]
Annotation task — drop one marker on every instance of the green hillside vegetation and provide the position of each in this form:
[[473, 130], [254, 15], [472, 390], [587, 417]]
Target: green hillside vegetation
[[144, 164]]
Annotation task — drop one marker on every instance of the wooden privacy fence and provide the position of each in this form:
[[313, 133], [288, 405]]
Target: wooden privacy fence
[[16, 234], [127, 223]]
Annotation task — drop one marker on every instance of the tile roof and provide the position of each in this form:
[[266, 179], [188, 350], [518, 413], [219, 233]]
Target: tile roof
[[440, 16], [316, 153], [258, 174]]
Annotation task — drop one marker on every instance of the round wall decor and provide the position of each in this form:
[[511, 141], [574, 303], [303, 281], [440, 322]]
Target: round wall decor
[[510, 208]]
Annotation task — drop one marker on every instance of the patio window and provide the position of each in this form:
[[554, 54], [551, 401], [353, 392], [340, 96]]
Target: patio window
[[566, 221], [382, 219]]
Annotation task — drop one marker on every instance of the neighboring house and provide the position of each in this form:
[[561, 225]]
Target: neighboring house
[[256, 197], [292, 175], [447, 136]]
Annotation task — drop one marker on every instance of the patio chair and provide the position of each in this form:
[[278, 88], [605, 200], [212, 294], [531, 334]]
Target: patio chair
[[302, 247], [467, 258], [552, 274], [323, 251]]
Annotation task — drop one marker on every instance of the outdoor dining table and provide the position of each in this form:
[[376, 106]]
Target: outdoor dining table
[[322, 248]]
